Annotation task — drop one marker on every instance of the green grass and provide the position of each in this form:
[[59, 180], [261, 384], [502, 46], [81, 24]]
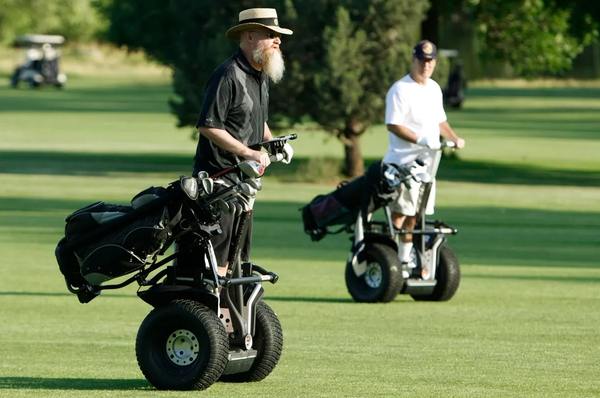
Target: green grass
[[525, 196]]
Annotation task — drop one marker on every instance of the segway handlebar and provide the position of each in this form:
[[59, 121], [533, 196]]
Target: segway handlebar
[[253, 168], [276, 144]]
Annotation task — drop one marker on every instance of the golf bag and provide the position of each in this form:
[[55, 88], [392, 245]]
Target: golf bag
[[105, 241], [378, 186]]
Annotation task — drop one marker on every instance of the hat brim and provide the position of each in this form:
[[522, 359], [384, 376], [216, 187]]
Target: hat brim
[[426, 57], [234, 32]]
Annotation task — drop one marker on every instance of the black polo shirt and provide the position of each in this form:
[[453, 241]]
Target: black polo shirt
[[236, 99]]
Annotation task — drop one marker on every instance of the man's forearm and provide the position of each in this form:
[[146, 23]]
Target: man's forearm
[[402, 132], [447, 131], [267, 136], [225, 141]]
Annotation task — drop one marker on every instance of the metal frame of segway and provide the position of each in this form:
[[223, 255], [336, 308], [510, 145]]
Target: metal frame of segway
[[241, 286], [368, 231]]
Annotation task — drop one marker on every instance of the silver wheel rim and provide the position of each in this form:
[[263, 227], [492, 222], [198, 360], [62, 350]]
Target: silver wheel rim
[[373, 275], [182, 347]]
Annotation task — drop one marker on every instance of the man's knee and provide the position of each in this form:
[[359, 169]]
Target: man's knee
[[406, 223], [410, 222], [398, 219]]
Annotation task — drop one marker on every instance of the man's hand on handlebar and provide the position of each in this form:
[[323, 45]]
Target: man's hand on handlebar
[[260, 157], [436, 145], [429, 142], [280, 149], [460, 143]]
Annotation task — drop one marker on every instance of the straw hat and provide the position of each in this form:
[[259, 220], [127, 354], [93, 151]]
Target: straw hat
[[257, 17]]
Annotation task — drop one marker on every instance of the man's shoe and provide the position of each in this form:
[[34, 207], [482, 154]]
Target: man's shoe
[[405, 270]]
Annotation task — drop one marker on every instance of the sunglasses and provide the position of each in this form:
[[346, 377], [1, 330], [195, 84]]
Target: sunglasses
[[272, 35], [269, 33]]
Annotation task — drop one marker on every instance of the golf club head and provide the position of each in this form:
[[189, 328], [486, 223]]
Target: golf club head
[[256, 183], [238, 208], [206, 184], [251, 168], [392, 175], [223, 206], [247, 189], [420, 174], [189, 185]]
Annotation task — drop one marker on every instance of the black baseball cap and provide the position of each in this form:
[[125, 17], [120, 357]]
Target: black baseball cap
[[425, 50]]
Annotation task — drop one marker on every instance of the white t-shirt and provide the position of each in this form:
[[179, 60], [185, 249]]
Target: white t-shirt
[[419, 108]]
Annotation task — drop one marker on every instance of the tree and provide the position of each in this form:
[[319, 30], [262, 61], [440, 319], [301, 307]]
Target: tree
[[186, 35], [535, 37], [77, 20], [530, 35], [342, 59]]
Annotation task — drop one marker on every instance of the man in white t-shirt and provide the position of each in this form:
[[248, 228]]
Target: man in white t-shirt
[[415, 118]]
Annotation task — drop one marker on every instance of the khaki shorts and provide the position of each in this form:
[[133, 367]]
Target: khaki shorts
[[407, 202]]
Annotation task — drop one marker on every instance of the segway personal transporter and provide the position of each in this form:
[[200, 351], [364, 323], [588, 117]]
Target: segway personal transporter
[[373, 270], [208, 322]]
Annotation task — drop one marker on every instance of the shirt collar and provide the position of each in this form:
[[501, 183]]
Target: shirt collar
[[244, 65]]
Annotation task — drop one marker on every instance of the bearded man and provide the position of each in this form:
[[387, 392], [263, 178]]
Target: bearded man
[[234, 114]]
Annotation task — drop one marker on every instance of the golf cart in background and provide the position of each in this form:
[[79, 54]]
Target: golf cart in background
[[41, 65], [454, 91], [373, 270]]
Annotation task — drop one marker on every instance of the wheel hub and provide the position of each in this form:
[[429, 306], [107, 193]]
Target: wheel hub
[[373, 275], [182, 347]]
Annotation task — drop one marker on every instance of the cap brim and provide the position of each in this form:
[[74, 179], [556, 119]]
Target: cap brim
[[234, 32]]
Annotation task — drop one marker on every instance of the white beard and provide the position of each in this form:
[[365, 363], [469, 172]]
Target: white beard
[[271, 62]]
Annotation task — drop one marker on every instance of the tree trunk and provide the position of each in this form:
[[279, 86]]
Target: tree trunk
[[353, 161], [430, 26]]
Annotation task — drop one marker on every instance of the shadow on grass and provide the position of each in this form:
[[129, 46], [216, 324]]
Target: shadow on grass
[[58, 294], [99, 164], [531, 124], [487, 235], [538, 278], [122, 98], [542, 92], [497, 173], [44, 383], [309, 299], [94, 164]]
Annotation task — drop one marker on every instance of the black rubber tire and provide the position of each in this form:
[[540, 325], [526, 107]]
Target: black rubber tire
[[267, 341], [391, 276], [151, 342], [447, 275]]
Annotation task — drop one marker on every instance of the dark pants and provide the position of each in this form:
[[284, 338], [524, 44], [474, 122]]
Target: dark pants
[[190, 261], [225, 242]]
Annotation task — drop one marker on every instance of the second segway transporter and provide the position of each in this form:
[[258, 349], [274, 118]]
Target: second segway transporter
[[373, 269]]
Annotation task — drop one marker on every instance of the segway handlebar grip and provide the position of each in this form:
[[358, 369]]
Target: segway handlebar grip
[[448, 144], [278, 157]]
